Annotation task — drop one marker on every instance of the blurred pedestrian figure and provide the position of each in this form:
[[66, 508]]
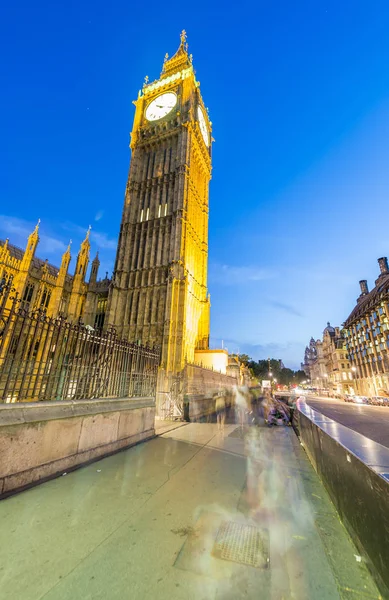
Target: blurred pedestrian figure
[[229, 399], [256, 405], [220, 406], [241, 397], [267, 405]]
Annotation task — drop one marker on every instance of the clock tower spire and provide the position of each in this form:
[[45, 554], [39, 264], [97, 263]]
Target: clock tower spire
[[159, 292]]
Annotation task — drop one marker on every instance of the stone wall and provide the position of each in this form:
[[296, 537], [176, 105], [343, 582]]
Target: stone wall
[[354, 471], [199, 380], [41, 440], [189, 394]]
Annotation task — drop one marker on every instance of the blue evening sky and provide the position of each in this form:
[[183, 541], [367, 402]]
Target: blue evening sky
[[298, 93]]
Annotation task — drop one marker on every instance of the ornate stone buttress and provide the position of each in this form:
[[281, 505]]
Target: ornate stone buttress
[[159, 291]]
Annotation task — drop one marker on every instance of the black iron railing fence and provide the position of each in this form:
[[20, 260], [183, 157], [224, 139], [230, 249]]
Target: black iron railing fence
[[44, 358]]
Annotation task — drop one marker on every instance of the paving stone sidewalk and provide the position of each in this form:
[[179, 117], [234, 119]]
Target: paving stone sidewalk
[[195, 513]]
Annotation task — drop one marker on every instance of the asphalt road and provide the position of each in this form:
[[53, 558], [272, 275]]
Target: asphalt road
[[370, 421]]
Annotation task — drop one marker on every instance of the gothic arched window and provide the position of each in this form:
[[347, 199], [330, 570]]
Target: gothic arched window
[[28, 292], [45, 299]]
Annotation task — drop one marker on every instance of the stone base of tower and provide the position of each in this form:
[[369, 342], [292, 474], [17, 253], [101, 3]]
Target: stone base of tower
[[188, 395]]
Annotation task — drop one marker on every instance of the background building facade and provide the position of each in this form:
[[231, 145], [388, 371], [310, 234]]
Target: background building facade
[[367, 336], [326, 362], [313, 365], [356, 359], [337, 366]]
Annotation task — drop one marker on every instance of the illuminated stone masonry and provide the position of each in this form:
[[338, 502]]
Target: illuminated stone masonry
[[41, 285], [159, 294]]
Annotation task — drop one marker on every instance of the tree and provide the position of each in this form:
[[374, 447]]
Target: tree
[[284, 376], [244, 358], [300, 376]]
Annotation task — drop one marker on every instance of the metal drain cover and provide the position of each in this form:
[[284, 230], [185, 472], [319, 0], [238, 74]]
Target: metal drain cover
[[243, 544]]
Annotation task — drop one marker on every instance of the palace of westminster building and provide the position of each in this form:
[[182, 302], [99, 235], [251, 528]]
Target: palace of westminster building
[[158, 293]]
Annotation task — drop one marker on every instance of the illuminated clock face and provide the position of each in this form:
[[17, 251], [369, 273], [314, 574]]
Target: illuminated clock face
[[203, 125], [161, 106]]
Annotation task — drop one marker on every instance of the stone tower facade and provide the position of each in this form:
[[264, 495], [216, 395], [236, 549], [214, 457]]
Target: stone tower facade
[[159, 291]]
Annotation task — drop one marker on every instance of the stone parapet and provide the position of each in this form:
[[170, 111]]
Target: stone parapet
[[355, 472], [189, 394], [39, 441]]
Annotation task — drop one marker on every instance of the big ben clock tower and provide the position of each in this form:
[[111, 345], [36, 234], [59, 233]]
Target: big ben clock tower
[[159, 293]]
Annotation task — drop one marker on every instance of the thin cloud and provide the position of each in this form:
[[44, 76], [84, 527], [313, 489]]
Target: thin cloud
[[286, 308], [232, 275], [73, 228], [14, 227], [18, 230], [101, 239], [99, 215], [49, 245]]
